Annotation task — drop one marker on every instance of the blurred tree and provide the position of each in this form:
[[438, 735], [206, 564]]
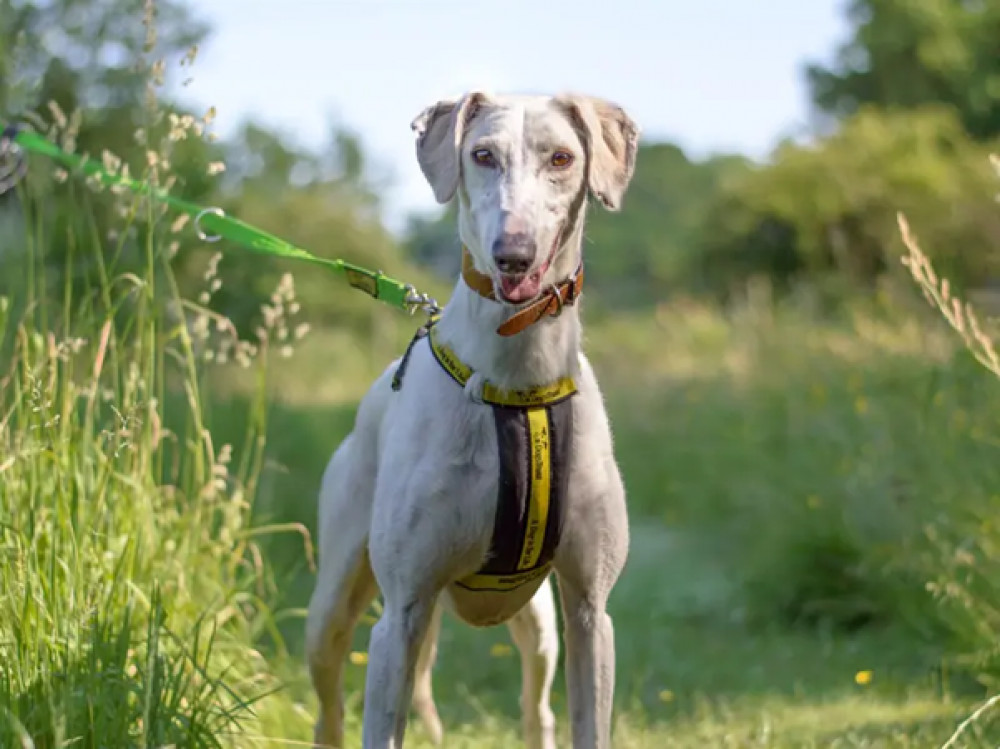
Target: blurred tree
[[646, 250], [86, 52], [906, 53], [432, 240], [98, 56], [829, 207]]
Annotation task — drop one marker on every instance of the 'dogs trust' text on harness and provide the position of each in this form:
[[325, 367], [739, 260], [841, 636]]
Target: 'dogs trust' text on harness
[[534, 430]]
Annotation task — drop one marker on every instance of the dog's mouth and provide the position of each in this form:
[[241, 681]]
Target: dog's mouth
[[520, 288]]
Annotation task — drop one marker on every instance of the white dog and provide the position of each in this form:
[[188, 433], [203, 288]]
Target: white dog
[[482, 459]]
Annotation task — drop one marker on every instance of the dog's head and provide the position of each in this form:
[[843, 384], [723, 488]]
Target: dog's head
[[521, 167]]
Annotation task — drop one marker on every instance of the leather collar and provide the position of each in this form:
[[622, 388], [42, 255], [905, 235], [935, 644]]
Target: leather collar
[[550, 303]]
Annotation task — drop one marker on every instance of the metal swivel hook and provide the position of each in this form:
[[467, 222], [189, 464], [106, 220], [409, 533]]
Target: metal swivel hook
[[13, 161]]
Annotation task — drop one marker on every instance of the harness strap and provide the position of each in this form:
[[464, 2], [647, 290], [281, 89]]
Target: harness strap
[[534, 428], [422, 331], [550, 303], [534, 452], [543, 395]]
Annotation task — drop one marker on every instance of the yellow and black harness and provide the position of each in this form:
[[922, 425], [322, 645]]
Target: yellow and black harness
[[534, 437]]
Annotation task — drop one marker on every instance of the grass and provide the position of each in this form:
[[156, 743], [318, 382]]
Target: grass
[[782, 473], [132, 591], [794, 483]]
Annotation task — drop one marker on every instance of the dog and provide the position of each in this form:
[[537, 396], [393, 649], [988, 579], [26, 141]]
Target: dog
[[481, 461]]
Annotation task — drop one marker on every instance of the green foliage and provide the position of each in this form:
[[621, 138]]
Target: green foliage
[[965, 556], [118, 682], [781, 469], [433, 242], [644, 252], [904, 54], [817, 450], [119, 56], [829, 208]]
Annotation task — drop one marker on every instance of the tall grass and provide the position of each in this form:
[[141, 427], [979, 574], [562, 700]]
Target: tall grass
[[133, 595], [966, 543]]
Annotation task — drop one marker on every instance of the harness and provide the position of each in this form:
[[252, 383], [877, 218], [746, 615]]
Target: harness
[[534, 430]]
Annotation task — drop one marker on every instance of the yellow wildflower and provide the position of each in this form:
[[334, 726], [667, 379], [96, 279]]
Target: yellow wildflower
[[359, 658]]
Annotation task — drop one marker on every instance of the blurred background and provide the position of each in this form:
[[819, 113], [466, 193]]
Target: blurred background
[[810, 449]]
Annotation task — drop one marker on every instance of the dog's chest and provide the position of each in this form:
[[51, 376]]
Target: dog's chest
[[523, 440], [534, 446]]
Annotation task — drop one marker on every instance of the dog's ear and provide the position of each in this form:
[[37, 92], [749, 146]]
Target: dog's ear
[[440, 129], [611, 138]]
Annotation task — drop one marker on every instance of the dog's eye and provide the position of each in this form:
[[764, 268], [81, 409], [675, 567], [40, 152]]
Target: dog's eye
[[483, 157], [561, 159]]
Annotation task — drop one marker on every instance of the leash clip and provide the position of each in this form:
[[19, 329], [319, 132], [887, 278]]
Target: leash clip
[[414, 300], [13, 161]]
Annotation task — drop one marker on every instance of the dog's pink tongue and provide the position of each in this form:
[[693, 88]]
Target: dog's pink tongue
[[520, 288]]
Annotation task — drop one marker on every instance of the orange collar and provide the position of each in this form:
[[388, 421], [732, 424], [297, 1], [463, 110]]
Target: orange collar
[[550, 303]]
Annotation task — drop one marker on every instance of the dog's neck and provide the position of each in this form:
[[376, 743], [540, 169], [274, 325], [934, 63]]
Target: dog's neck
[[538, 355]]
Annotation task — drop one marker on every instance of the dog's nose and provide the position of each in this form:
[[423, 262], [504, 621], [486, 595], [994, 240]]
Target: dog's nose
[[514, 252]]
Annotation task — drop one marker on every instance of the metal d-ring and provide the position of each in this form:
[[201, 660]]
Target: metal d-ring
[[13, 160], [559, 300], [197, 224]]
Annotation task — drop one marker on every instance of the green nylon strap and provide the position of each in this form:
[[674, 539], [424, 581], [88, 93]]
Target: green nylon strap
[[211, 220]]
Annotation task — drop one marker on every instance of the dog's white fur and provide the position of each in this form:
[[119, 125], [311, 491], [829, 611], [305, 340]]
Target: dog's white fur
[[408, 499]]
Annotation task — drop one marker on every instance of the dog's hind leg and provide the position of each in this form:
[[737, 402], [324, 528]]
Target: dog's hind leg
[[534, 630], [345, 585], [423, 693]]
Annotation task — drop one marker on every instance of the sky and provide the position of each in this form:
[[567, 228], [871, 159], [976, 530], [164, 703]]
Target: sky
[[709, 75]]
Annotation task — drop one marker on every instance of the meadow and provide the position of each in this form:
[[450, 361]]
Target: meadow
[[811, 496], [787, 481], [811, 463]]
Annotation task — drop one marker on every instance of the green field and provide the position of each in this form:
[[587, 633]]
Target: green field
[[779, 472], [812, 496]]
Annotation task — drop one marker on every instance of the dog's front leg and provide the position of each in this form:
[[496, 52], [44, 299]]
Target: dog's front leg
[[392, 658], [590, 665], [592, 557]]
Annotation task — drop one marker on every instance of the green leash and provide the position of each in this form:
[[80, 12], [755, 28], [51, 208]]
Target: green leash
[[13, 165]]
